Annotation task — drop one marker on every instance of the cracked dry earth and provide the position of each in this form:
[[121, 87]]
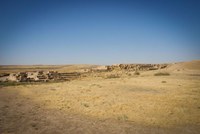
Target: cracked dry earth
[[139, 105]]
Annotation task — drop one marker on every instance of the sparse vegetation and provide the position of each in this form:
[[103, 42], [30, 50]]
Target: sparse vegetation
[[85, 104], [123, 118], [9, 83], [129, 74], [53, 89], [137, 73], [113, 76], [162, 74], [2, 84]]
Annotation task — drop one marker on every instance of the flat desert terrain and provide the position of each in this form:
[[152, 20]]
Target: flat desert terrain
[[96, 104]]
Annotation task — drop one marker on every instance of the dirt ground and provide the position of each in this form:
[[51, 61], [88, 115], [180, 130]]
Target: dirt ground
[[142, 104]]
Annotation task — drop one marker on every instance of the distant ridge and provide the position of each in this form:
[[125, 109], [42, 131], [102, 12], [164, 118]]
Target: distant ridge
[[189, 65]]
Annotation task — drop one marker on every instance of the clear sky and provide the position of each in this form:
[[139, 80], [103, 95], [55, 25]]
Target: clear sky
[[98, 32]]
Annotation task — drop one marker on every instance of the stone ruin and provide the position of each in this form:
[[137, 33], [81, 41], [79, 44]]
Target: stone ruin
[[125, 67], [136, 67], [42, 76], [39, 76]]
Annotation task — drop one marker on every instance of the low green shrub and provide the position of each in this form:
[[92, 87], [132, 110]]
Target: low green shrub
[[162, 74], [137, 73], [112, 76]]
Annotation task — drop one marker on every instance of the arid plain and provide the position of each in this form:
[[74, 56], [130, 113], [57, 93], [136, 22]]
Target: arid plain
[[117, 102]]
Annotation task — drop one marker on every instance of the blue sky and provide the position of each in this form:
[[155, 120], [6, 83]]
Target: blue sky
[[99, 32]]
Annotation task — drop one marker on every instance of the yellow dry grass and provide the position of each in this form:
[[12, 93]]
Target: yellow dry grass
[[144, 100], [166, 102]]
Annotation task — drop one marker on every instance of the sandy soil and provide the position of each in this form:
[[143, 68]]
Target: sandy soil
[[141, 104]]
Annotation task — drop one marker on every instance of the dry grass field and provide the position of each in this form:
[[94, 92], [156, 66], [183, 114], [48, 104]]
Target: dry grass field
[[127, 104], [59, 68]]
